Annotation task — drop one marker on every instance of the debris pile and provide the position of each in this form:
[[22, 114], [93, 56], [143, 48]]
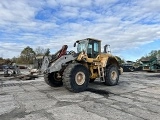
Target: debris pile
[[15, 73]]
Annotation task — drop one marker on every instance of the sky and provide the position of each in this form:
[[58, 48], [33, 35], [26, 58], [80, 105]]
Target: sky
[[131, 27]]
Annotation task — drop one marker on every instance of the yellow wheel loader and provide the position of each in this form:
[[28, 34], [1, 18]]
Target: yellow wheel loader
[[76, 70]]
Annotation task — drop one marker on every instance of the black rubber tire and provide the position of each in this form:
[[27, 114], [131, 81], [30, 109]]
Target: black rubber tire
[[108, 79], [52, 80], [69, 75]]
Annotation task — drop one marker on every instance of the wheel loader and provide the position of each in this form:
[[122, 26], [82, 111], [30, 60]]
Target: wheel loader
[[76, 70]]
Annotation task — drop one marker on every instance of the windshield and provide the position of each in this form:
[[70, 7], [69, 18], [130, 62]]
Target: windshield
[[82, 46]]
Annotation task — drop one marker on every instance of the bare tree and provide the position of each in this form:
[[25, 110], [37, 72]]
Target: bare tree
[[41, 51]]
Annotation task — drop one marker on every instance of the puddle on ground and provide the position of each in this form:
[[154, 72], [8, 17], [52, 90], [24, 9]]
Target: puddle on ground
[[100, 92], [1, 94], [157, 75]]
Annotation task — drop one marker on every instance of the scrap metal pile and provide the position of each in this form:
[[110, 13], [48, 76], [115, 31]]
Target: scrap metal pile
[[13, 72]]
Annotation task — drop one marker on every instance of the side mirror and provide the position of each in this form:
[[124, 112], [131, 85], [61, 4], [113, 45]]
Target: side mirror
[[107, 49], [75, 44]]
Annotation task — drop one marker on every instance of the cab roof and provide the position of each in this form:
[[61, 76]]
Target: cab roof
[[89, 39]]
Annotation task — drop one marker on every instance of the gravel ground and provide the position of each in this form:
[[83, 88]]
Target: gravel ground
[[136, 97]]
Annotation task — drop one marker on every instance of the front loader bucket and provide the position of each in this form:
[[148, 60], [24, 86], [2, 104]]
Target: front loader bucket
[[45, 64]]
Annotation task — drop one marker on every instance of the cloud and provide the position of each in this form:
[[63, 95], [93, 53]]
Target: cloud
[[125, 25], [78, 3]]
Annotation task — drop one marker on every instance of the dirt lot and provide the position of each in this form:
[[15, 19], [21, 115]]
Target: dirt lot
[[137, 97]]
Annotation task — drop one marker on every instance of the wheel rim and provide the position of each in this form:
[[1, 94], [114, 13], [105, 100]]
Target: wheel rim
[[55, 76], [114, 75], [80, 78]]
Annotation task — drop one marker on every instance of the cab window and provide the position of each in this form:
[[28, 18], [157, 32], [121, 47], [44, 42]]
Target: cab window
[[89, 51], [96, 49]]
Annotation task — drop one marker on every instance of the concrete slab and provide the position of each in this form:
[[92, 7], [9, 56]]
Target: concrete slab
[[73, 112], [25, 96], [34, 116], [35, 105], [106, 111], [7, 107], [12, 89], [136, 97], [67, 96]]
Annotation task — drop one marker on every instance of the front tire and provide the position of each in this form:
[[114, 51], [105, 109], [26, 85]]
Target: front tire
[[112, 75], [52, 80], [76, 77]]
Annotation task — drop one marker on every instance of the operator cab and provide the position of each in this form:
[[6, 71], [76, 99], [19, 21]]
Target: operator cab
[[90, 46]]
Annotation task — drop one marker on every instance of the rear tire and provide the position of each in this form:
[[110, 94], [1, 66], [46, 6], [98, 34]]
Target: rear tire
[[112, 75], [52, 80], [76, 77]]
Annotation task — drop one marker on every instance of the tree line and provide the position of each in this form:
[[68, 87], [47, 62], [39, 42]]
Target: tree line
[[27, 56], [152, 54]]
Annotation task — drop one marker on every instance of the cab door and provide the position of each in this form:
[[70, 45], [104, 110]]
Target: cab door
[[93, 49]]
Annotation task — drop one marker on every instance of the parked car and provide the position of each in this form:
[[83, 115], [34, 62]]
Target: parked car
[[3, 67]]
